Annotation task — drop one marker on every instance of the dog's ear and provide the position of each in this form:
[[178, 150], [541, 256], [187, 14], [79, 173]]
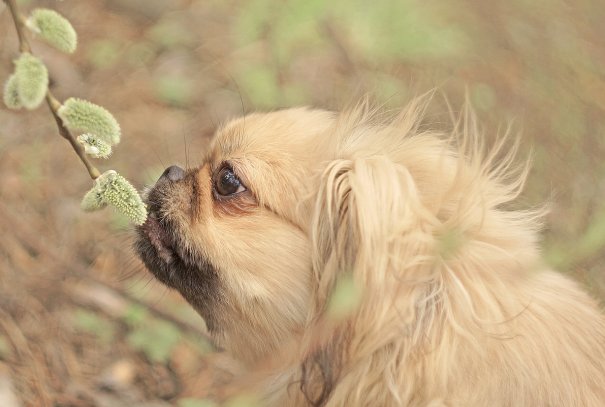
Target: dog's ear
[[363, 208]]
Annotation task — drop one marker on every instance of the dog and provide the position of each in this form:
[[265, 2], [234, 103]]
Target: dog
[[446, 299]]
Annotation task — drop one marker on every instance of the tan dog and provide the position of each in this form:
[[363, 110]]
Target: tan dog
[[454, 306]]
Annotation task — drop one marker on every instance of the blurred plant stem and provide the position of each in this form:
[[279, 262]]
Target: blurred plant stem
[[51, 101]]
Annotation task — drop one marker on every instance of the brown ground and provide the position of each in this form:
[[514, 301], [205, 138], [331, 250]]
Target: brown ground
[[81, 322]]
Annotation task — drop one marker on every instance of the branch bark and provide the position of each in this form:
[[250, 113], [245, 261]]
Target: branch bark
[[51, 101]]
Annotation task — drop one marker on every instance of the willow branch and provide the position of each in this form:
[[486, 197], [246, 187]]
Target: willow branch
[[54, 105], [23, 43], [51, 101]]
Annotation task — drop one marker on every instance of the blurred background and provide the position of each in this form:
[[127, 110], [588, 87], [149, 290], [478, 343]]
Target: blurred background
[[81, 322]]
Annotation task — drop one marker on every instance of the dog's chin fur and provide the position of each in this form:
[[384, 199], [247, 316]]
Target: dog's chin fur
[[454, 306]]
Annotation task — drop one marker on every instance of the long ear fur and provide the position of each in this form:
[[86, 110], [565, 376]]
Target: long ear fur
[[366, 202], [389, 208], [364, 206]]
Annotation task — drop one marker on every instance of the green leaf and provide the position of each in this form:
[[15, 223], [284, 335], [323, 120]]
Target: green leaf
[[251, 21], [32, 80], [450, 242], [260, 84], [141, 53], [483, 96], [11, 93], [243, 400], [135, 314], [387, 30], [54, 29], [157, 339], [590, 244], [103, 53], [201, 345], [345, 298], [388, 89], [94, 119], [171, 32], [91, 323], [189, 402], [174, 90]]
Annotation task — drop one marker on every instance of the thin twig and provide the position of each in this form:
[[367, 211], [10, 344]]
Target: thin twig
[[51, 101], [23, 43], [54, 106]]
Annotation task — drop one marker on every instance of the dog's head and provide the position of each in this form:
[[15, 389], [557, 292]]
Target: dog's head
[[288, 204], [233, 235]]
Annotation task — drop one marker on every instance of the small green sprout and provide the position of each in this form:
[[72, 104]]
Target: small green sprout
[[53, 28], [345, 298], [450, 242], [94, 119], [94, 146], [28, 87], [32, 80], [11, 93], [111, 188], [93, 201]]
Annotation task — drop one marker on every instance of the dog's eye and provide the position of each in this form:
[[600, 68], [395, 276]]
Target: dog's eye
[[227, 183]]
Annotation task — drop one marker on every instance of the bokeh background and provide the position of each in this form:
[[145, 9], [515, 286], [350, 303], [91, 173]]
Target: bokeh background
[[81, 322]]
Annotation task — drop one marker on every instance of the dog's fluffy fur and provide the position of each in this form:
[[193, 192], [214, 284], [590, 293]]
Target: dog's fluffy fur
[[455, 306]]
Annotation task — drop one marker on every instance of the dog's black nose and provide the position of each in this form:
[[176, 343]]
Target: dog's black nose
[[173, 173]]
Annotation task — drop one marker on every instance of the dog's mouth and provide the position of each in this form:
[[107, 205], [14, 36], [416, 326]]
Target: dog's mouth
[[157, 248], [161, 245], [159, 238], [157, 245]]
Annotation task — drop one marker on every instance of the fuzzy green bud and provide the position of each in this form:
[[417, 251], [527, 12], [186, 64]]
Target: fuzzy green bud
[[117, 191], [112, 188], [93, 201], [11, 94], [32, 80], [94, 119], [94, 146], [54, 29]]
